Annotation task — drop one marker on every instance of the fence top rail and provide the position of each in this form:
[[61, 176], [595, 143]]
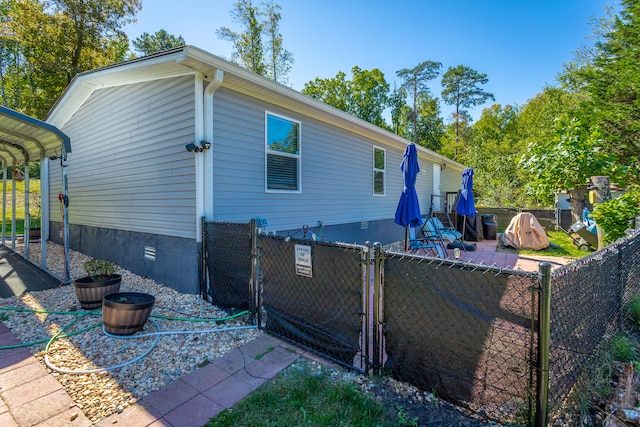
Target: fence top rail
[[463, 265]]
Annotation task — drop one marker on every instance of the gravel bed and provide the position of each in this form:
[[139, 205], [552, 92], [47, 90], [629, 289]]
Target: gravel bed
[[102, 393]]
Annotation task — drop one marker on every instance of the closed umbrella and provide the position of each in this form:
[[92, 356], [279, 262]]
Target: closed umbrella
[[408, 210], [466, 205]]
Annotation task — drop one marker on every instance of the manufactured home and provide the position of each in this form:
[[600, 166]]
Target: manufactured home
[[162, 141]]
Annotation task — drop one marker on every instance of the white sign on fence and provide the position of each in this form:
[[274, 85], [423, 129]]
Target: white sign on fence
[[303, 260]]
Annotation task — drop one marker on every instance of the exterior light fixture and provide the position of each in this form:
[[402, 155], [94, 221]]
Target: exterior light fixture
[[204, 145]]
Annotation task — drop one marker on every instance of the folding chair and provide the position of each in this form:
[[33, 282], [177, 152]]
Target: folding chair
[[425, 241]]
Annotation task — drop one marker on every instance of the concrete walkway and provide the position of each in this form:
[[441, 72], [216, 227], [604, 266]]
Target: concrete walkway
[[17, 275], [32, 397]]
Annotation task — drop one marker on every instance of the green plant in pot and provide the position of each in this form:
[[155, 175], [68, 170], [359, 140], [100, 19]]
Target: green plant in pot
[[101, 280]]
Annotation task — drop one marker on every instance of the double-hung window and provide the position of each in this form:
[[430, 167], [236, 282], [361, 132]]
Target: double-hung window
[[379, 162], [282, 154]]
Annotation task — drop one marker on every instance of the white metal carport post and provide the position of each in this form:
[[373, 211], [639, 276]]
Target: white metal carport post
[[65, 217]]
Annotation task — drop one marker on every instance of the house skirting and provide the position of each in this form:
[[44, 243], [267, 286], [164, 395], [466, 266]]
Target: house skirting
[[176, 259]]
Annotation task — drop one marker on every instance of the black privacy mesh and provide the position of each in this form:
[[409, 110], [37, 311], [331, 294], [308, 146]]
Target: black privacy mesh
[[322, 312], [588, 299], [464, 334], [228, 261]]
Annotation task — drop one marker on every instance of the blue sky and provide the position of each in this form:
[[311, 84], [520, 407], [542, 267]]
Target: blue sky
[[520, 44]]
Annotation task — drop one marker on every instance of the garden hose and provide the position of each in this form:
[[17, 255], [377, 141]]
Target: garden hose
[[82, 314]]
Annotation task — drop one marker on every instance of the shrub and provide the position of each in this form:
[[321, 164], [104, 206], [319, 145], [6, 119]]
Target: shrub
[[99, 269], [613, 216], [623, 348]]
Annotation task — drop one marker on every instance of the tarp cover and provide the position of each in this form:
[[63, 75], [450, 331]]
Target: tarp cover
[[525, 232]]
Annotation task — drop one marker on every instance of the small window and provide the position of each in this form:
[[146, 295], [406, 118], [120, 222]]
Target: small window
[[282, 154], [379, 180]]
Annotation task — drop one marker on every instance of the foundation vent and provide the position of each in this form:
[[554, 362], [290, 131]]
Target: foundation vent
[[150, 253]]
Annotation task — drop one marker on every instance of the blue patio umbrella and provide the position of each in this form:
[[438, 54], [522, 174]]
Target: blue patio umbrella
[[466, 205], [408, 210]]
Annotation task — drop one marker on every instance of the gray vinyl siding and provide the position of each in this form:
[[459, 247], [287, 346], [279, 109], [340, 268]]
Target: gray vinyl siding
[[337, 171], [129, 169], [451, 180]]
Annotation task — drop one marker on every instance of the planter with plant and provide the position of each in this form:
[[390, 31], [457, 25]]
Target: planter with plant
[[125, 313], [101, 281]]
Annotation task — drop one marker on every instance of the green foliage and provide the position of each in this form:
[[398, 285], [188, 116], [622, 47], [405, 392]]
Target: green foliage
[[302, 396], [405, 420], [414, 82], [146, 43], [364, 96], [259, 28], [99, 269], [614, 216], [633, 311], [613, 83], [623, 348], [493, 153], [565, 161], [52, 41]]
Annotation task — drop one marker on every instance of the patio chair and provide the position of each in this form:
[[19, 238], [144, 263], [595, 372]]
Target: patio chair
[[427, 241], [448, 233]]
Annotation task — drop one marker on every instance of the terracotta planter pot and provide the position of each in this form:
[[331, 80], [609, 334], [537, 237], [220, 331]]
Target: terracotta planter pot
[[90, 293], [125, 313]]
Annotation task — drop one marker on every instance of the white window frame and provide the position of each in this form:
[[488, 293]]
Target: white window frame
[[376, 170], [267, 151]]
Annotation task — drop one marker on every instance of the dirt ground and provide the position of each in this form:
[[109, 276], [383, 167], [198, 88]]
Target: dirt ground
[[406, 406]]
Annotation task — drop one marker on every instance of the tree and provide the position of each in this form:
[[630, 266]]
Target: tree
[[249, 51], [414, 81], [279, 59], [57, 39], [566, 161], [493, 152], [460, 89], [613, 83], [332, 91], [400, 111], [429, 126], [146, 44], [365, 95]]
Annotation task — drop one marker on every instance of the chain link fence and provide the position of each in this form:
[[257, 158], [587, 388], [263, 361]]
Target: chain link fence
[[312, 294], [463, 331], [467, 332], [228, 275], [588, 299]]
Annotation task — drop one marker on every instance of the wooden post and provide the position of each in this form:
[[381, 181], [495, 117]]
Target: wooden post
[[601, 188]]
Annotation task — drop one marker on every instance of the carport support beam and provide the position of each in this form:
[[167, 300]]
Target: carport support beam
[[544, 333], [65, 219]]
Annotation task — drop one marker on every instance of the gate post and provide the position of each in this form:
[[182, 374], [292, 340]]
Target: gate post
[[544, 332], [378, 314], [254, 281]]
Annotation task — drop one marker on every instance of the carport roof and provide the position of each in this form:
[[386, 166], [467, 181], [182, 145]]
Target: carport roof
[[24, 138]]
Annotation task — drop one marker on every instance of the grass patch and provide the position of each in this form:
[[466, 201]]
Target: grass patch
[[304, 396], [566, 248], [34, 205]]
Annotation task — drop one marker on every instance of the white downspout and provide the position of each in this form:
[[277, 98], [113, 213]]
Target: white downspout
[[199, 135], [216, 82]]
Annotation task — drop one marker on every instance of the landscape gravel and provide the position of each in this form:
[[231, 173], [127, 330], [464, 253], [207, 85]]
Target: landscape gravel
[[105, 392]]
